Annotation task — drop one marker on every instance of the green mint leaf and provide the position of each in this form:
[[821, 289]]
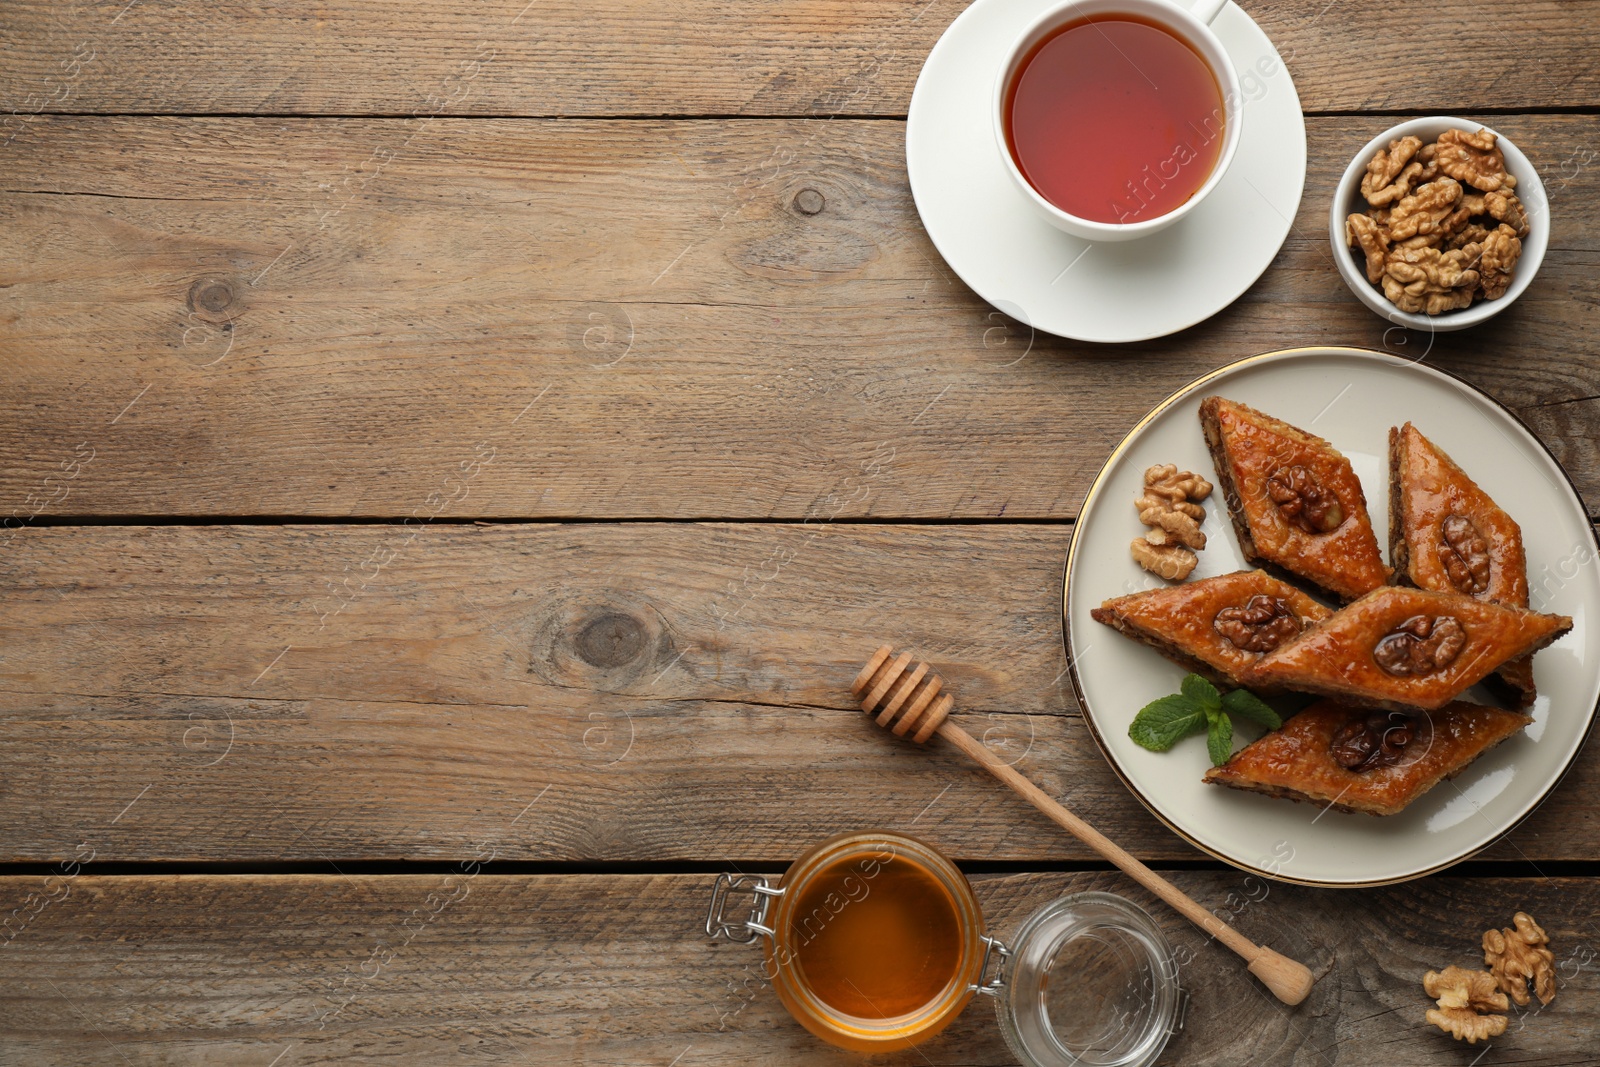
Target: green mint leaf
[[1244, 703], [1162, 723], [1219, 739], [1201, 692]]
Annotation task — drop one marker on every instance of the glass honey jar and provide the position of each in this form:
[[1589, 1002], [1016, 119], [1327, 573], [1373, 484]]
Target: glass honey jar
[[874, 941]]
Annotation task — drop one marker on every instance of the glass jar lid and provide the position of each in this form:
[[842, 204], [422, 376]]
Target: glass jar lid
[[1090, 981]]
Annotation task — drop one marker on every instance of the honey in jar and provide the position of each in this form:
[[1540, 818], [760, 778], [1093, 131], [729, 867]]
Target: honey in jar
[[874, 941], [875, 947]]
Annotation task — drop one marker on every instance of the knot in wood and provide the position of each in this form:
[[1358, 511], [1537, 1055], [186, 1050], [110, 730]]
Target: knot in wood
[[611, 640], [809, 202], [213, 298]]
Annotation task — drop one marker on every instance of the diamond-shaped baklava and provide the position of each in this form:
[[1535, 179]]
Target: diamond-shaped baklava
[[1357, 759], [1217, 627], [1294, 500], [1445, 533], [1406, 648]]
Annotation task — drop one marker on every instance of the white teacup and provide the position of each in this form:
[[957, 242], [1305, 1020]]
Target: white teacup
[[1188, 24]]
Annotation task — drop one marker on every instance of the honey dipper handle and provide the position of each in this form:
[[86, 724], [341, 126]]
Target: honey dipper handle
[[1289, 980]]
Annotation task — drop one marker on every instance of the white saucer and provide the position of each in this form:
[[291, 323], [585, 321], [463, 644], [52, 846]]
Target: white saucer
[[1001, 247]]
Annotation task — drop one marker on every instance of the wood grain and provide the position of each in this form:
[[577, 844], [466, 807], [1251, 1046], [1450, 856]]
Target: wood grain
[[470, 967], [654, 691], [745, 57], [656, 286], [271, 317]]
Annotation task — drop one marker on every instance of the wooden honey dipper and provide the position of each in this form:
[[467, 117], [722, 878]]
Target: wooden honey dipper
[[903, 699]]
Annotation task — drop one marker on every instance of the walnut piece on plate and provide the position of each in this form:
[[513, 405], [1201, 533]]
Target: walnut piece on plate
[[1172, 562], [1167, 481], [1168, 506]]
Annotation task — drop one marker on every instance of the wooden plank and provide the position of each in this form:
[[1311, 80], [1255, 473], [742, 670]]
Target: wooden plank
[[615, 970], [547, 319], [745, 57], [583, 692]]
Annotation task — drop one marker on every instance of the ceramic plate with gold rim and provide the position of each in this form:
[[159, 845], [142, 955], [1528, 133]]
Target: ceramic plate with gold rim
[[1350, 397]]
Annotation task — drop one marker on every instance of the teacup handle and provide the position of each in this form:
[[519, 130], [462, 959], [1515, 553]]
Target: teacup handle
[[1207, 10]]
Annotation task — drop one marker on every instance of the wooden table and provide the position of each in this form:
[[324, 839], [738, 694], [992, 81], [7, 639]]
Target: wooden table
[[460, 452]]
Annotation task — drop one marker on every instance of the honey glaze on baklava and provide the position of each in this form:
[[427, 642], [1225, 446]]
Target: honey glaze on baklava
[[1447, 534], [1295, 501], [1403, 649], [1216, 627], [1359, 760]]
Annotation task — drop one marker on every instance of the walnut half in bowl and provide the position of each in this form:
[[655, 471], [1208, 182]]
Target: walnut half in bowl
[[1420, 238]]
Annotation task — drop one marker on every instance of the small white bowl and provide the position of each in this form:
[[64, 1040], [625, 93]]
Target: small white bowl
[[1347, 200]]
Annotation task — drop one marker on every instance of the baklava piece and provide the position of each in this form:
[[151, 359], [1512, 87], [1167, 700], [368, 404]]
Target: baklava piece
[[1360, 760], [1402, 648], [1294, 500], [1446, 534], [1216, 627]]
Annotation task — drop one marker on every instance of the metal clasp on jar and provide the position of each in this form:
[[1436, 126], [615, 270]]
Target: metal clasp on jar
[[747, 930], [996, 985]]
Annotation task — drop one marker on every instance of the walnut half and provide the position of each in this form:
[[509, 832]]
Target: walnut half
[[1519, 954], [1260, 624], [1497, 258], [1473, 158], [1166, 480], [1172, 562], [1179, 526], [1464, 554], [1424, 210], [1420, 645], [1363, 232], [1386, 166], [1462, 995], [1379, 740], [1305, 502]]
